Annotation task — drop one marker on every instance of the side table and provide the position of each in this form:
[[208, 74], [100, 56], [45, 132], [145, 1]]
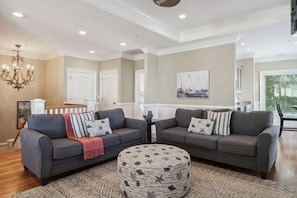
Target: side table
[[149, 131]]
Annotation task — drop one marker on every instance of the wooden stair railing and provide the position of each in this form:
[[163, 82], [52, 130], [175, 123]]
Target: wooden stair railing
[[66, 108]]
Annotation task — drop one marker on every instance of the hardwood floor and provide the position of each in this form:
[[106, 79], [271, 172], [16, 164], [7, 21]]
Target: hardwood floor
[[14, 179]]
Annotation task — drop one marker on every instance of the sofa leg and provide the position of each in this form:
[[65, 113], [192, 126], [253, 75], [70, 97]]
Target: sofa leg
[[43, 182], [25, 168], [264, 175]]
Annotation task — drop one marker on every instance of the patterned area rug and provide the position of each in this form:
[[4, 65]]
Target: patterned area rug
[[207, 181]]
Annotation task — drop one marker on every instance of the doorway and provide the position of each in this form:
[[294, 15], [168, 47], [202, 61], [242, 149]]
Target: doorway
[[108, 89], [139, 93]]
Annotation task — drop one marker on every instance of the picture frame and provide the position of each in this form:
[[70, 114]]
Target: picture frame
[[192, 84], [23, 110]]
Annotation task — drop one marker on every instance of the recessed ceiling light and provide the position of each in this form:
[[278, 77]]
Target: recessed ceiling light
[[92, 51], [182, 16], [18, 14], [242, 43], [123, 44], [82, 32]]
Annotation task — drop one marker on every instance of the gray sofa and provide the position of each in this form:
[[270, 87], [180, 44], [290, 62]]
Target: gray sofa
[[47, 152], [252, 143]]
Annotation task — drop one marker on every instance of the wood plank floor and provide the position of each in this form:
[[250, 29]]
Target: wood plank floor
[[14, 179]]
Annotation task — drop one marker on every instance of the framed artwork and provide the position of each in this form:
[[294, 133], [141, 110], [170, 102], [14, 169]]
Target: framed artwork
[[23, 110], [193, 84]]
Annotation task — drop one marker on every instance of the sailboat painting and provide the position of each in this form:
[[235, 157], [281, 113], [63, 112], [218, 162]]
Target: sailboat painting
[[193, 84]]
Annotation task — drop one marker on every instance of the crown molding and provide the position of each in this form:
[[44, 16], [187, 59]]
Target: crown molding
[[199, 45], [276, 58]]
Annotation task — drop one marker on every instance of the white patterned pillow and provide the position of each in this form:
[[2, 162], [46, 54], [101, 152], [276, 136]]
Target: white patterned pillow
[[98, 127], [78, 123], [201, 126], [221, 122]]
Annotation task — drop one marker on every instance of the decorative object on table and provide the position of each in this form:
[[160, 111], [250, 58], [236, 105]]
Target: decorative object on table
[[166, 3], [149, 116], [23, 110], [193, 84], [21, 75]]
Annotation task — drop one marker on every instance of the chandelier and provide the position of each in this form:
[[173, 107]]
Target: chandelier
[[21, 74]]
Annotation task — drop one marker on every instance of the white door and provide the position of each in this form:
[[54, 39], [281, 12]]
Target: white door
[[108, 89], [81, 85]]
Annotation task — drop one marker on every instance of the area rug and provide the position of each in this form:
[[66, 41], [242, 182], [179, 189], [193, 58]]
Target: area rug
[[207, 181]]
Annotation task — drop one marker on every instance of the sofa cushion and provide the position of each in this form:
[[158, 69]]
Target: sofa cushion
[[251, 123], [65, 147], [183, 116], [203, 141], [44, 124], [98, 127], [201, 126], [110, 140], [238, 144], [175, 134], [116, 117], [127, 134]]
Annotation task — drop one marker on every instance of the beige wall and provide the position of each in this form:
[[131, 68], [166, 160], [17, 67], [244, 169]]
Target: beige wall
[[127, 81], [151, 79], [139, 64], [248, 75], [219, 60], [10, 96], [54, 82]]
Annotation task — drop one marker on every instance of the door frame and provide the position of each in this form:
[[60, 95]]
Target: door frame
[[79, 70]]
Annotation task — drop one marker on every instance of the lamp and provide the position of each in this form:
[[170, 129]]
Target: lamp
[[166, 3], [21, 75]]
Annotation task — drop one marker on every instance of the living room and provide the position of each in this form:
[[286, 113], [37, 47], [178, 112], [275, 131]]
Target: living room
[[219, 55]]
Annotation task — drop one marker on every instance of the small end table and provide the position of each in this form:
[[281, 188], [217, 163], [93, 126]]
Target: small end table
[[149, 131]]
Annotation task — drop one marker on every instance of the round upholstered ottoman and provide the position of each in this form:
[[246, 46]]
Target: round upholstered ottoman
[[154, 170]]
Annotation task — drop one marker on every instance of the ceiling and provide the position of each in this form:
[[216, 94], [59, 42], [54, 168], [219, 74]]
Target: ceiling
[[50, 28]]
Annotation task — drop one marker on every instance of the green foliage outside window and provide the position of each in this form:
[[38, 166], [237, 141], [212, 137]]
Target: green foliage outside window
[[281, 88]]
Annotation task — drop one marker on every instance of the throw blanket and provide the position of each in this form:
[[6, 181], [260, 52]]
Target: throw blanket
[[92, 146]]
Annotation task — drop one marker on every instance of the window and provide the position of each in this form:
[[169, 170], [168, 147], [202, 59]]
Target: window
[[279, 86], [238, 79]]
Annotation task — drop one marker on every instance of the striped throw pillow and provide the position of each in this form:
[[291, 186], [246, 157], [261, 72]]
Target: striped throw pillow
[[221, 122], [78, 123]]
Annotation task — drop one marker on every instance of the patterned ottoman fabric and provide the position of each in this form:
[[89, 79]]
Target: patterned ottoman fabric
[[153, 171]]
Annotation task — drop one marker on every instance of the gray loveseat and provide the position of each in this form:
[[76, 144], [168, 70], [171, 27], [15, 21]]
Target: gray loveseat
[[47, 152], [252, 143]]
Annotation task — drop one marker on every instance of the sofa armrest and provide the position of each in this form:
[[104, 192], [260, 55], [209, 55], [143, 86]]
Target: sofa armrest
[[267, 148], [137, 124], [36, 149], [164, 124]]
